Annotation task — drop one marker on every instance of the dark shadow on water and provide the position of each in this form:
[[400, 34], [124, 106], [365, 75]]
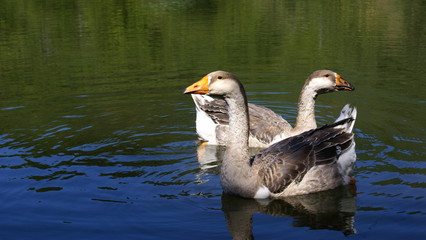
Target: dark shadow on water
[[333, 210]]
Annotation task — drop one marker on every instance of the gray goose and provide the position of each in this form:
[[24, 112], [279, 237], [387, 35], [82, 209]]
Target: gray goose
[[266, 127], [316, 160]]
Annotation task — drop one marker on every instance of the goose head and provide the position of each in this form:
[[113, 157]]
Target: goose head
[[324, 81], [218, 83]]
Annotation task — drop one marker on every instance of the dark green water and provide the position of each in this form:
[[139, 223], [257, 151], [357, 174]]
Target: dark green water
[[97, 140]]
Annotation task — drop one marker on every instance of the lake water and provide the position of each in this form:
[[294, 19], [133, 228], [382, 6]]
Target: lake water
[[98, 142]]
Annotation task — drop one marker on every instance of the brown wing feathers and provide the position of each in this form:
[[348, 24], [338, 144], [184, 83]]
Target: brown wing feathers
[[290, 159], [217, 110], [280, 173], [265, 124]]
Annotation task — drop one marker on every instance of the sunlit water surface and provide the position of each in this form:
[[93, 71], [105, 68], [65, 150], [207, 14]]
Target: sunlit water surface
[[98, 142]]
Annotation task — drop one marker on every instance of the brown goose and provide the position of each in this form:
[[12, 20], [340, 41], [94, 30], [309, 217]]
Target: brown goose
[[266, 127], [313, 161]]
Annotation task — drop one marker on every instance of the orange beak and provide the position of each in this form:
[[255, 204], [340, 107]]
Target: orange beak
[[200, 87], [342, 85]]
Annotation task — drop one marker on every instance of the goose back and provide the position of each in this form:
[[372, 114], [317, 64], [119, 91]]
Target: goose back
[[304, 163], [265, 125]]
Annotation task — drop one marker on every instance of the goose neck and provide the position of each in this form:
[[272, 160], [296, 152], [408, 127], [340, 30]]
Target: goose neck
[[237, 176], [238, 122], [306, 109]]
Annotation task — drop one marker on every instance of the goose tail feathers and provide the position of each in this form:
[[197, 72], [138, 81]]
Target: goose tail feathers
[[348, 111]]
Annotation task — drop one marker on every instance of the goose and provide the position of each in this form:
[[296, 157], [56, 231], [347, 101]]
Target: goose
[[266, 127], [313, 161]]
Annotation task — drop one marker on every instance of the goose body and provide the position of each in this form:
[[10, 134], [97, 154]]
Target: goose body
[[266, 127], [316, 160]]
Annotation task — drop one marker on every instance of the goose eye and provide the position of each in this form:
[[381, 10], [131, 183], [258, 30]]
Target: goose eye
[[327, 75], [219, 77]]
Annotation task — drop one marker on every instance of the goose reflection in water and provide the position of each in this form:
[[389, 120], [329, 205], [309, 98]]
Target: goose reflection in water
[[333, 209]]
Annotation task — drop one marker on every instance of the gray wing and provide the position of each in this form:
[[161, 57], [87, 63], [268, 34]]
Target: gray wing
[[265, 124], [214, 107], [289, 160]]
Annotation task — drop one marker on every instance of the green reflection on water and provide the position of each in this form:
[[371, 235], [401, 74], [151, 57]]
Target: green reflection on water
[[109, 73]]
